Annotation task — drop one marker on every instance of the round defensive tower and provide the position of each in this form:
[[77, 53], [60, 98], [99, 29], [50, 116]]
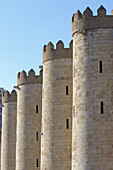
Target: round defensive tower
[[29, 110], [92, 133], [56, 107], [9, 117]]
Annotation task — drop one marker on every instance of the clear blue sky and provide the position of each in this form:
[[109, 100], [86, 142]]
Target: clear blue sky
[[26, 25]]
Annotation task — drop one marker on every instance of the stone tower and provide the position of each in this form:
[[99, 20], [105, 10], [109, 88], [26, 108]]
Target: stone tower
[[9, 115], [92, 136], [56, 107], [29, 111]]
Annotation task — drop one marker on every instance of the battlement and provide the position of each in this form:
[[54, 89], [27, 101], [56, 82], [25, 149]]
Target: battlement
[[9, 97], [31, 78], [85, 21], [49, 53]]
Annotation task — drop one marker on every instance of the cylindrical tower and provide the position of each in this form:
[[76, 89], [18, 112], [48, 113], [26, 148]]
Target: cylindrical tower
[[56, 107], [9, 116], [29, 110], [92, 133]]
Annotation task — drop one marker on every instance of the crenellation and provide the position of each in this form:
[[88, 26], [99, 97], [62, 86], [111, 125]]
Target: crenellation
[[50, 46], [59, 52], [77, 15], [92, 99], [18, 75], [9, 97], [101, 11], [9, 120], [62, 119], [31, 73], [23, 78], [71, 45], [44, 48], [29, 97], [88, 21], [23, 74], [6, 93], [60, 45], [87, 13], [56, 108], [72, 19]]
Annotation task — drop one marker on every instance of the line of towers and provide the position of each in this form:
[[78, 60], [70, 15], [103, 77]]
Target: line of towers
[[63, 118]]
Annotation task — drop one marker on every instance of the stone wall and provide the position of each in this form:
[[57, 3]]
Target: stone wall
[[8, 149], [56, 108], [87, 21], [28, 123], [92, 139]]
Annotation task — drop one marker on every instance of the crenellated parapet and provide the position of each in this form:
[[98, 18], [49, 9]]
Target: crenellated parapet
[[85, 21], [9, 97], [31, 78], [9, 120], [49, 53]]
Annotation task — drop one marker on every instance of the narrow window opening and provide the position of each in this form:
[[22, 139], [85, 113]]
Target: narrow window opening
[[102, 109], [100, 65], [37, 162], [67, 123], [36, 108], [36, 135], [66, 90]]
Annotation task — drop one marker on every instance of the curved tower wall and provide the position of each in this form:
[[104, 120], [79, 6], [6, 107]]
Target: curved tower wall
[[56, 107], [28, 121], [92, 136], [9, 117]]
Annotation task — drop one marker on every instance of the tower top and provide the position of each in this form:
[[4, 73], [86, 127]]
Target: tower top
[[87, 21], [9, 97], [22, 77], [49, 53]]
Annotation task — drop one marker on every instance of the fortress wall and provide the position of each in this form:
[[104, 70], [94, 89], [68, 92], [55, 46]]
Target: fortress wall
[[92, 136], [28, 122], [78, 137], [56, 140], [8, 146]]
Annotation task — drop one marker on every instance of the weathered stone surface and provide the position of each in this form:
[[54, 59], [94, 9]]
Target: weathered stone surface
[[92, 136], [56, 140], [23, 78], [28, 124], [49, 53], [88, 21], [88, 143], [9, 119]]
